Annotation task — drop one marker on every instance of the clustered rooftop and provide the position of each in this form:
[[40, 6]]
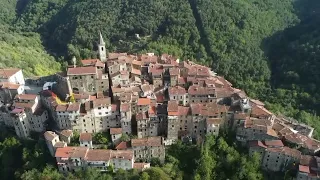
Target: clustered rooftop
[[160, 99]]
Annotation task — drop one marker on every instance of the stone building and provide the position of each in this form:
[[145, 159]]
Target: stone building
[[70, 159], [67, 116], [147, 148], [85, 140], [53, 142], [116, 134], [88, 79], [126, 115], [28, 115], [280, 159]]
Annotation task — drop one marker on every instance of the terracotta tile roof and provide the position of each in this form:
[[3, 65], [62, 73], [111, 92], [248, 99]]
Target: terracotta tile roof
[[123, 145], [81, 96], [278, 127], [135, 62], [85, 137], [182, 80], [142, 116], [258, 111], [117, 90], [23, 105], [92, 62], [198, 90], [114, 107], [304, 169], [177, 90], [122, 154], [141, 166], [136, 71], [207, 109], [197, 70], [7, 73], [147, 88], [82, 70], [271, 132], [286, 151], [128, 59], [101, 102], [183, 111], [8, 85], [173, 106], [115, 130], [116, 55], [146, 59], [239, 116], [285, 131], [143, 101], [273, 143], [125, 107], [295, 138], [17, 111], [155, 71], [152, 111], [66, 133], [49, 135], [61, 108], [312, 144], [60, 144], [26, 96], [148, 141], [98, 155], [71, 152], [99, 95], [73, 107], [223, 92], [256, 143]]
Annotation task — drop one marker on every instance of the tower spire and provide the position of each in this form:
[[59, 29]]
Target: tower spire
[[101, 39]]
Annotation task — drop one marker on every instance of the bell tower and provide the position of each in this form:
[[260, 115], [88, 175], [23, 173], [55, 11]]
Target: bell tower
[[102, 49]]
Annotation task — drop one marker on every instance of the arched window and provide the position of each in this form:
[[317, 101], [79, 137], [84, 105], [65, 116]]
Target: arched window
[[101, 48]]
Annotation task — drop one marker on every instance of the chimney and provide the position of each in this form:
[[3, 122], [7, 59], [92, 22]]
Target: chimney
[[74, 61]]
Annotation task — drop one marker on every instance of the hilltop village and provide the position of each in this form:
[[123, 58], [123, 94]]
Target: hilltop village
[[156, 100]]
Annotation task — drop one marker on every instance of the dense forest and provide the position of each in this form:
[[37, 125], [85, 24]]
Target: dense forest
[[268, 48], [30, 159]]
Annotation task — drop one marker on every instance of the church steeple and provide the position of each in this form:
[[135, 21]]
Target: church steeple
[[102, 49], [101, 39]]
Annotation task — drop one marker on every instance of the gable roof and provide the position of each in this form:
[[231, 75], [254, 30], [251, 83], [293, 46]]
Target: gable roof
[[82, 70], [7, 73], [85, 137]]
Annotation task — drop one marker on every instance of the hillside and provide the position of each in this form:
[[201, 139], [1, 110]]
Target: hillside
[[72, 27], [22, 50]]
